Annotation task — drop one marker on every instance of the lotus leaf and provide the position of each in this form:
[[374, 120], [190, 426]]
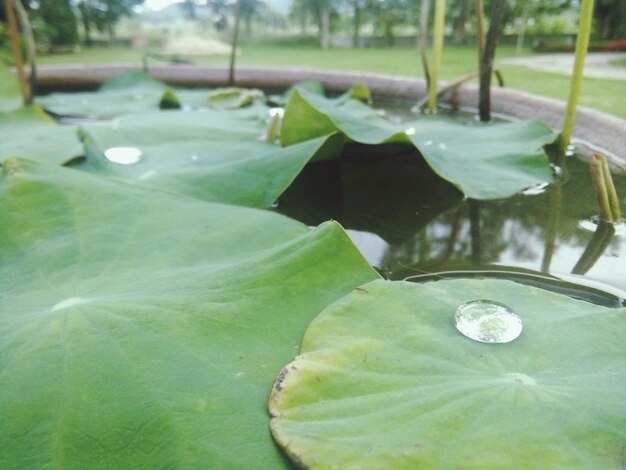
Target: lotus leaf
[[29, 132], [488, 161], [234, 98], [142, 329], [212, 155], [385, 380]]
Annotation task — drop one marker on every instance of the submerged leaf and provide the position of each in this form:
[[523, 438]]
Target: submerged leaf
[[484, 161], [385, 380], [31, 133], [141, 329]]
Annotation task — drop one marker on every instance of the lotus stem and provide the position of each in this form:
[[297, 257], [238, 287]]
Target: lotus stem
[[422, 39], [582, 44], [486, 66], [233, 51], [17, 51], [27, 30], [599, 184], [610, 188], [273, 128], [480, 31], [440, 15], [598, 244]]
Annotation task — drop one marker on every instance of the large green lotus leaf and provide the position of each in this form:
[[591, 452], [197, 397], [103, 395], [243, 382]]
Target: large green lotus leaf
[[29, 132], [487, 161], [213, 155], [10, 96], [128, 93], [384, 380], [140, 329]]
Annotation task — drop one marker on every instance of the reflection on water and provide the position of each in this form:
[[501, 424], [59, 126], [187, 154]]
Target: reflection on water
[[407, 222]]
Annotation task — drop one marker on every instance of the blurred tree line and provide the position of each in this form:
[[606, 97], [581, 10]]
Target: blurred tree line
[[56, 22]]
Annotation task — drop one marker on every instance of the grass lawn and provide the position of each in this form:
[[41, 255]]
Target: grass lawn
[[605, 95]]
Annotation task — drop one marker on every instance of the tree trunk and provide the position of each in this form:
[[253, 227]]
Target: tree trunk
[[356, 32], [519, 48], [325, 25], [460, 32], [110, 25]]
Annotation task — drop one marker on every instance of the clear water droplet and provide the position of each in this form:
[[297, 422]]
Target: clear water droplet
[[238, 375], [123, 155], [194, 157], [275, 204], [535, 190], [443, 146], [428, 142], [488, 321], [410, 131]]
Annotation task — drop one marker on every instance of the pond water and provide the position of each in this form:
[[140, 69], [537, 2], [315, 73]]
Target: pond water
[[411, 225]]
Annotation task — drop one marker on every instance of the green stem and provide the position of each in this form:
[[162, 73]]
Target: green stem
[[480, 31], [610, 189], [233, 51], [17, 50], [486, 66], [440, 15], [582, 43], [599, 184], [273, 128]]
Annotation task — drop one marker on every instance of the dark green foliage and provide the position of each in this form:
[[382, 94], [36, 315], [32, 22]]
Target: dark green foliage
[[61, 27]]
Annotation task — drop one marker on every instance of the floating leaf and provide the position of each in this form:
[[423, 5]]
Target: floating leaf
[[484, 161], [210, 155], [385, 380], [234, 98], [127, 93], [141, 329], [29, 132]]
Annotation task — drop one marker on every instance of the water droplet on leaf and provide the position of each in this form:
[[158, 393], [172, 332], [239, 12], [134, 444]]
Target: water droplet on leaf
[[123, 155], [67, 303], [488, 322]]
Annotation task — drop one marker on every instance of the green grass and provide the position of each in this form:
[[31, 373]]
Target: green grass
[[619, 63], [604, 95]]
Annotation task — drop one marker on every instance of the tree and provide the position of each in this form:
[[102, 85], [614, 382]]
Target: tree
[[105, 14], [611, 18], [250, 8]]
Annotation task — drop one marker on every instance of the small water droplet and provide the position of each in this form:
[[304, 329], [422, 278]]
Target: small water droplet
[[194, 157], [570, 150], [443, 146], [410, 131], [238, 375], [123, 155], [535, 190], [275, 204], [488, 321], [428, 142]]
